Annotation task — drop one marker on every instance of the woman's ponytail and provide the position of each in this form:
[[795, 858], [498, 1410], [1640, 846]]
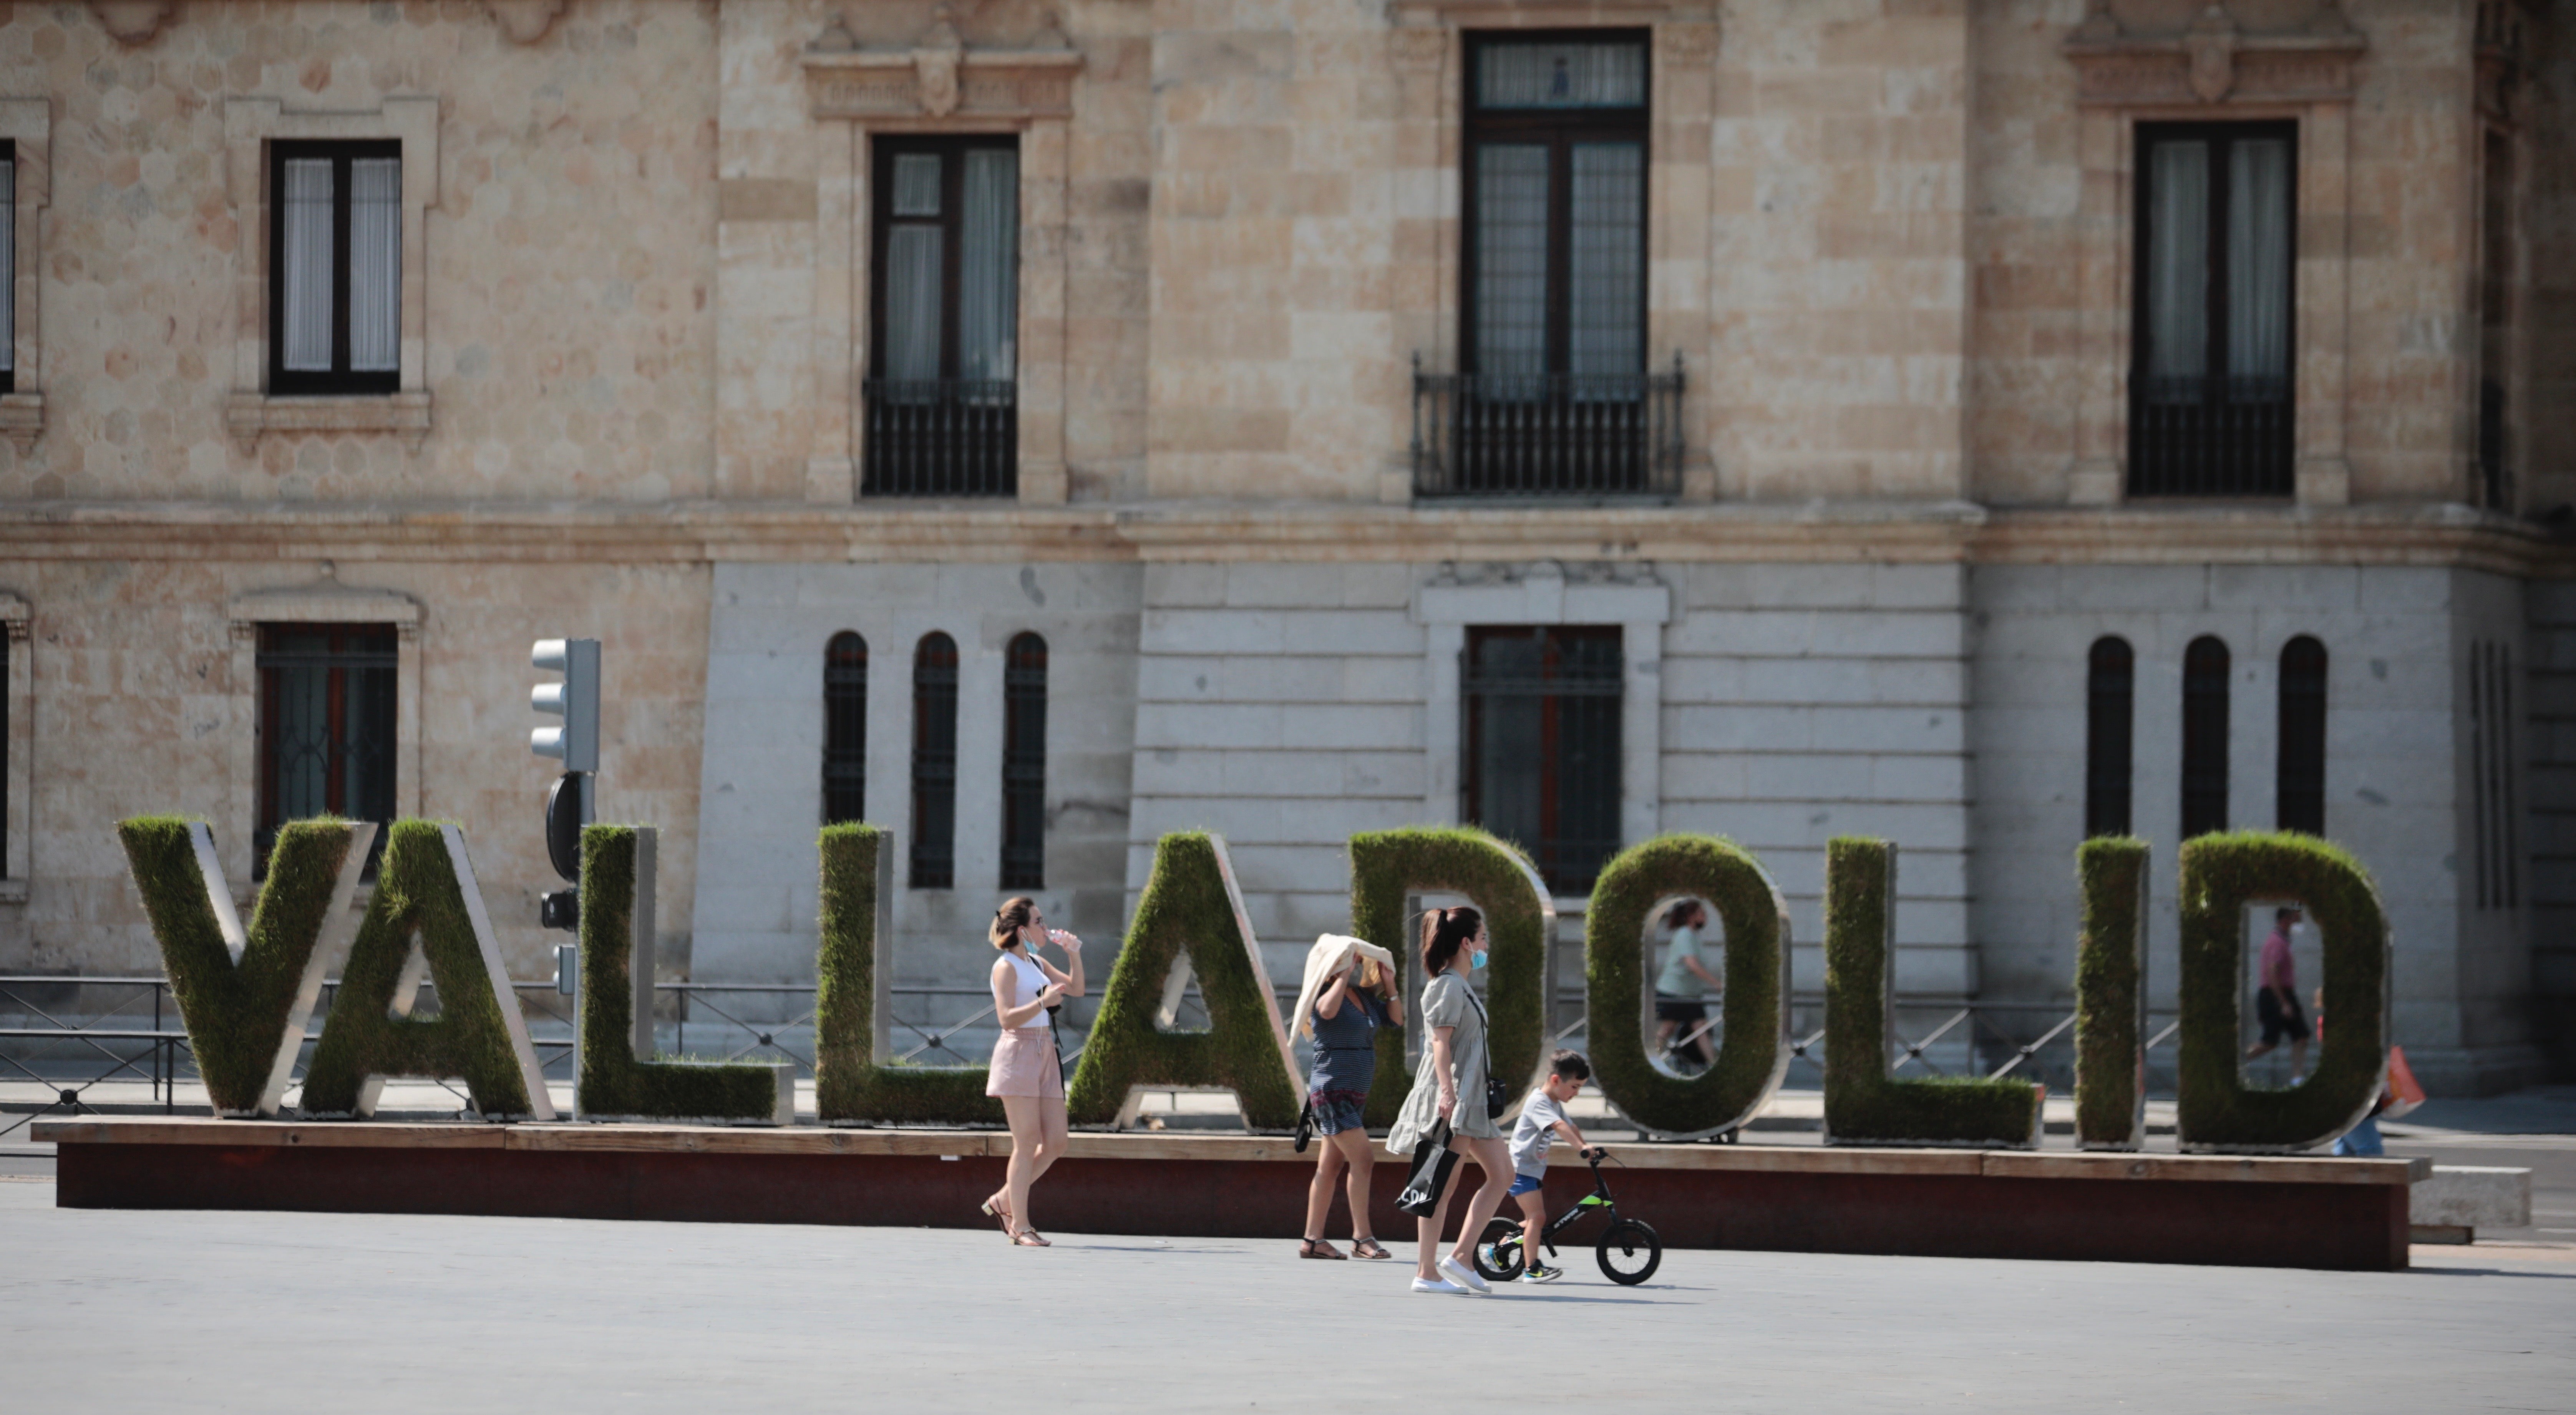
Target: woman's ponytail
[[1444, 932], [1013, 916]]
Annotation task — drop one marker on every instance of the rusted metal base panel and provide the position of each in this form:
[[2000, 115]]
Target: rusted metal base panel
[[2337, 1226]]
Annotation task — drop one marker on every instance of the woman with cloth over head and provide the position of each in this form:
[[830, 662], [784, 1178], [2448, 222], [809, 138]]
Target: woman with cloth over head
[[1450, 1086], [1027, 1074], [1349, 993]]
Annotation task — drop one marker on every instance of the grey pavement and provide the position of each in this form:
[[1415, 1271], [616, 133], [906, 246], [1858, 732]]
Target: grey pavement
[[128, 1311]]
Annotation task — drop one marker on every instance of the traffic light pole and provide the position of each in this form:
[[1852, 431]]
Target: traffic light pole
[[574, 800]]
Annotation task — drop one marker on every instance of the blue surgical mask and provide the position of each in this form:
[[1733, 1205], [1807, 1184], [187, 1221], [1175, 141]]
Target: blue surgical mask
[[1476, 958]]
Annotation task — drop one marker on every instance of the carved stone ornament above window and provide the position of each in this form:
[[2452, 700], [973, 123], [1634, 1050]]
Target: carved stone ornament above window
[[938, 76], [1550, 14], [134, 22], [2214, 60], [2500, 59]]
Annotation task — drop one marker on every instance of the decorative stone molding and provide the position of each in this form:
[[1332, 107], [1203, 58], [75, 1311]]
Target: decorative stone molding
[[250, 125], [20, 784], [525, 21], [134, 22], [28, 124], [2214, 61], [1550, 14], [938, 77], [2500, 60]]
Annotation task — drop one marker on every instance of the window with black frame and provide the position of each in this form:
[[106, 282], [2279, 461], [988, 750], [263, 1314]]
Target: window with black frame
[[2299, 785], [326, 727], [1024, 761], [1541, 761], [845, 728], [1553, 396], [942, 393], [2205, 666], [2210, 411], [8, 266], [2110, 685], [934, 762], [335, 267]]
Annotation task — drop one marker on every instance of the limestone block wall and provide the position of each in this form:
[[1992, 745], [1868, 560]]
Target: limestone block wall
[[146, 700], [761, 800], [1802, 702], [568, 271], [2396, 766]]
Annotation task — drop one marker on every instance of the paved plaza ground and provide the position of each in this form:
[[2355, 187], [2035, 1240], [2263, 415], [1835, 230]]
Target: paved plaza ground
[[119, 1311]]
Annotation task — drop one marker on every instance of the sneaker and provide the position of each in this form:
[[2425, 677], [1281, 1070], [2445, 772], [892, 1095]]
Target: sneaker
[[1541, 1272], [1464, 1276], [1450, 1288]]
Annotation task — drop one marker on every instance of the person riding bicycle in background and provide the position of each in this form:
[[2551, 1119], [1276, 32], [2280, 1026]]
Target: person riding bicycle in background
[[1542, 1120]]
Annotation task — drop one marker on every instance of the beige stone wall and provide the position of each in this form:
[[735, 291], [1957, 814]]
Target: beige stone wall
[[142, 706], [570, 254]]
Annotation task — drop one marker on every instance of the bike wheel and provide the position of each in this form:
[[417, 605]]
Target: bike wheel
[[1498, 1252], [1630, 1252]]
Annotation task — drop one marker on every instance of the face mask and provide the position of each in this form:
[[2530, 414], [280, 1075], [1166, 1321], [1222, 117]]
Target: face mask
[[1476, 959]]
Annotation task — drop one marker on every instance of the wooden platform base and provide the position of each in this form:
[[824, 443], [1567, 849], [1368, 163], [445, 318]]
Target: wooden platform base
[[2295, 1212]]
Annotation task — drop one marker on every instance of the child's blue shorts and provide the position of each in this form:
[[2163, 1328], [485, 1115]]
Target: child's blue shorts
[[1527, 1183]]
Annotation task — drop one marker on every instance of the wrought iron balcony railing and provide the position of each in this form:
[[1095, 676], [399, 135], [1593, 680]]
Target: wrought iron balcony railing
[[941, 437], [1557, 434], [2210, 437]]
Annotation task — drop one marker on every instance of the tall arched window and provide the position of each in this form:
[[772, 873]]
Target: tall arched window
[[934, 763], [2204, 737], [845, 728], [1024, 730], [2300, 802], [2109, 710]]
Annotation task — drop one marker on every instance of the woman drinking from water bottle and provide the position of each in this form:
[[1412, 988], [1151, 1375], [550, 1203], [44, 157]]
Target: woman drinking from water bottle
[[1027, 1073]]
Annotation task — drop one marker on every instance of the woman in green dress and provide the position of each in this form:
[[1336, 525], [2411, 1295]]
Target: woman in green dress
[[1451, 1086]]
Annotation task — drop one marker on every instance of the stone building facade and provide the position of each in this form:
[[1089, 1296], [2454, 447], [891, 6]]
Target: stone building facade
[[1595, 418]]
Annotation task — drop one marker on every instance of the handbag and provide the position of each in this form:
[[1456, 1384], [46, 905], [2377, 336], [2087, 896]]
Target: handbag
[[1498, 1097], [1432, 1162], [1305, 1125]]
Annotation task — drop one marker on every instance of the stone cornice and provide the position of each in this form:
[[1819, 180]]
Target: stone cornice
[[707, 532]]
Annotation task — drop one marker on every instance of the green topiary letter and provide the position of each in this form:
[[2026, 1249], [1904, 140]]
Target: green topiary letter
[[2111, 995], [852, 1085], [1753, 1053], [1190, 907], [1863, 1104], [1520, 922], [617, 1083], [2220, 874], [245, 998], [427, 916]]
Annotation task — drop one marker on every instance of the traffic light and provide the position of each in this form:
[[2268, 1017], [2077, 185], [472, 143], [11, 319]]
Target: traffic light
[[571, 803], [575, 700]]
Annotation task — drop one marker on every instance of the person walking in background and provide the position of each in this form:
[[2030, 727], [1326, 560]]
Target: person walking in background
[[1450, 1087], [1027, 1074], [1679, 986], [1348, 995], [2276, 1000], [1542, 1120]]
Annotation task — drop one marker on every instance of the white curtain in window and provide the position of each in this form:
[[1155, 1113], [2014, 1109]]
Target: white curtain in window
[[1511, 259], [916, 184], [915, 255], [8, 265], [1557, 74], [1606, 304], [304, 208], [2258, 261], [2177, 312], [375, 264], [988, 253]]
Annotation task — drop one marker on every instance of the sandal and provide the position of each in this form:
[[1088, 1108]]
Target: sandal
[[1369, 1248], [999, 1214], [1318, 1248], [1029, 1238]]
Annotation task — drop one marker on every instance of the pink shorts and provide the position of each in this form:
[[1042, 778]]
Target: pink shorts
[[1024, 1064]]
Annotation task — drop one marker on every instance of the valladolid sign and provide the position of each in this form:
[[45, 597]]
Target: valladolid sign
[[245, 994]]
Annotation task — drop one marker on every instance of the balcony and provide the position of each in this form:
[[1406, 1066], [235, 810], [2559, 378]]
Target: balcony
[[941, 437], [1547, 435], [2210, 437]]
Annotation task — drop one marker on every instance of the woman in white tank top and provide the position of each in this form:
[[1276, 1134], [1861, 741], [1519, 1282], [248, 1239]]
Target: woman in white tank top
[[1027, 1074]]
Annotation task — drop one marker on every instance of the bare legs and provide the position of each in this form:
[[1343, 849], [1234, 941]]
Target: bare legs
[[1345, 1154], [1038, 1136], [1494, 1158]]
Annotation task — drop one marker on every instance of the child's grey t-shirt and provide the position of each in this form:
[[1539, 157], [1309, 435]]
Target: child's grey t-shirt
[[1535, 1132]]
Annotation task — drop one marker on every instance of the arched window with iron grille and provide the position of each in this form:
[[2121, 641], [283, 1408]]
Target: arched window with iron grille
[[1024, 732], [845, 729], [2109, 692], [934, 762], [2300, 792], [2204, 737]]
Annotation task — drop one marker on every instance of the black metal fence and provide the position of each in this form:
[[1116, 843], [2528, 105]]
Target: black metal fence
[[2210, 437], [941, 437], [1558, 434]]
